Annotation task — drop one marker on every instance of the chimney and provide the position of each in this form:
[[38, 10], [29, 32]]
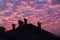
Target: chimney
[[13, 26], [2, 29], [20, 22], [39, 25], [25, 21]]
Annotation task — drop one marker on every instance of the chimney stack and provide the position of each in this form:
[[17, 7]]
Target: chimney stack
[[20, 23], [2, 29], [39, 25], [13, 26], [25, 21]]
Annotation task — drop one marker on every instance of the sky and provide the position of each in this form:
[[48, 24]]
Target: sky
[[45, 11]]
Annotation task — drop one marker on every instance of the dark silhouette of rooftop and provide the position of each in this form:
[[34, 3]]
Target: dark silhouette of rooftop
[[26, 31]]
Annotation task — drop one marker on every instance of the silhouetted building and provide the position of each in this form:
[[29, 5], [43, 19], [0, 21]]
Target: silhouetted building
[[27, 32]]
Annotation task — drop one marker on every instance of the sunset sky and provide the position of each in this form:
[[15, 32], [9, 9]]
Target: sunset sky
[[45, 11]]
